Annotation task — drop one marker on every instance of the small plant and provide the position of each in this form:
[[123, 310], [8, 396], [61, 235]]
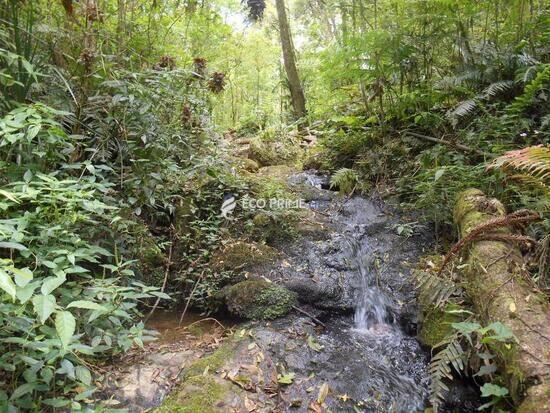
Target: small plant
[[469, 339], [346, 180]]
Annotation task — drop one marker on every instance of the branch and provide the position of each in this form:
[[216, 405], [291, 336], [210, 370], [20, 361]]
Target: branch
[[450, 144]]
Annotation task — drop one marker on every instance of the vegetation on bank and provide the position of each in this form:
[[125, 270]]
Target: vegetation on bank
[[118, 127]]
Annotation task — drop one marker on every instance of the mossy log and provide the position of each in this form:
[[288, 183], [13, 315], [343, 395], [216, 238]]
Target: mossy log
[[497, 285]]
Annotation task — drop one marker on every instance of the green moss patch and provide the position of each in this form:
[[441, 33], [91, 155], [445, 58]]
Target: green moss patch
[[197, 394], [259, 300]]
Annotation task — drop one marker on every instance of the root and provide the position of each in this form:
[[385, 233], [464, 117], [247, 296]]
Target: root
[[520, 217]]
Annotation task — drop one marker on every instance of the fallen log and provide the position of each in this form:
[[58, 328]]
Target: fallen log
[[496, 283]]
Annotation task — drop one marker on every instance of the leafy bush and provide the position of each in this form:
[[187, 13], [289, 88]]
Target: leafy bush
[[67, 294]]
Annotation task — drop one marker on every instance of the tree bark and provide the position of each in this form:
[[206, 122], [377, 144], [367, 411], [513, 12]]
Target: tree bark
[[296, 91], [496, 283]]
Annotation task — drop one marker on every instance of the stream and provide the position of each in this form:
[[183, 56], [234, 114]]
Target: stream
[[351, 270]]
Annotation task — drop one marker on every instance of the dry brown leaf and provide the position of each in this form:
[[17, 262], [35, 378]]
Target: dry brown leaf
[[249, 404], [315, 407]]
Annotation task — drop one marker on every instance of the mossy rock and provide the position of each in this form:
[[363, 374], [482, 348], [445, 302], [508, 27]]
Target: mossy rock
[[200, 394], [272, 152], [259, 300], [240, 255], [246, 164], [277, 171], [212, 362]]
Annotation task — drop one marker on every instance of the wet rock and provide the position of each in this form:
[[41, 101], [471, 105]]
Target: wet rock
[[258, 300]]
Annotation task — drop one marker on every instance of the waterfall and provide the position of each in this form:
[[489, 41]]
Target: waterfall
[[372, 304]]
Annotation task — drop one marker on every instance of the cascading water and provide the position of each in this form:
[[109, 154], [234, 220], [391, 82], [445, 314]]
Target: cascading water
[[373, 305]]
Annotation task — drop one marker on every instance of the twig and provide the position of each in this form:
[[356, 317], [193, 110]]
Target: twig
[[190, 296], [206, 319], [163, 282], [310, 316]]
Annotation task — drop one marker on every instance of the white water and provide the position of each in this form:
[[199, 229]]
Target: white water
[[372, 305]]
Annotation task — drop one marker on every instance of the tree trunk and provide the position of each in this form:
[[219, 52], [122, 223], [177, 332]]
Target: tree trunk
[[497, 286], [296, 91]]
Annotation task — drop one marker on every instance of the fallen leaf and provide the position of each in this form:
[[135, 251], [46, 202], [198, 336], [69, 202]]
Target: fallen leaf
[[315, 408], [323, 393], [313, 344], [249, 404], [285, 378]]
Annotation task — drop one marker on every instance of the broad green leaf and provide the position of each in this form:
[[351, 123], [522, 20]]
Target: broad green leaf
[[438, 174], [88, 305], [23, 276], [67, 367], [28, 175], [65, 324], [12, 245], [44, 306], [57, 402], [83, 375], [503, 332], [25, 293], [465, 327], [7, 284], [22, 390], [490, 389], [51, 283]]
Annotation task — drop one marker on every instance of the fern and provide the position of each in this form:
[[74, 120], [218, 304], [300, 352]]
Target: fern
[[345, 180], [498, 88], [526, 100], [463, 109], [438, 290], [533, 161], [452, 355]]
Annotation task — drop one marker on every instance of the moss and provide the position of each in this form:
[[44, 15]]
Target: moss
[[197, 394], [259, 300], [281, 172], [248, 165], [267, 152], [242, 255], [213, 362], [436, 324], [537, 400]]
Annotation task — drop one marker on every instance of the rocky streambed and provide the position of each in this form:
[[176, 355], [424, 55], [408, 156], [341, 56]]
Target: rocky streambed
[[351, 348]]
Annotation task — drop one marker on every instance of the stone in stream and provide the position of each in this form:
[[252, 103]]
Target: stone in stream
[[258, 300]]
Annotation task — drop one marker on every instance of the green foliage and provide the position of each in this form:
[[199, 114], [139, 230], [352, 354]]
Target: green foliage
[[468, 340], [65, 298], [346, 180]]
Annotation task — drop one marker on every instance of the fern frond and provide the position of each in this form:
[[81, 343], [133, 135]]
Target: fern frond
[[452, 356], [533, 160], [345, 180], [464, 108], [438, 290], [531, 91], [497, 88]]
